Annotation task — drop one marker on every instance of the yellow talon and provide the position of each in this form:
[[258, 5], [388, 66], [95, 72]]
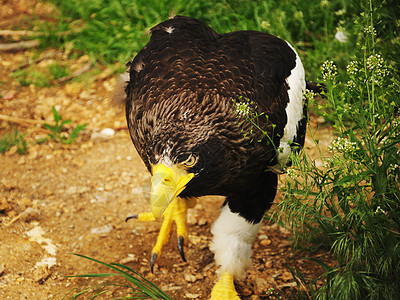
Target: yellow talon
[[167, 182], [224, 289], [146, 217], [175, 212]]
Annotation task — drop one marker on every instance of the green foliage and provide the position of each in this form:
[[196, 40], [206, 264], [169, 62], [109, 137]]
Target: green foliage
[[114, 30], [351, 203], [40, 77], [137, 288], [57, 131], [15, 138]]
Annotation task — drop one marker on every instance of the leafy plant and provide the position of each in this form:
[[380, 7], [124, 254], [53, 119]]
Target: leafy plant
[[40, 77], [15, 138], [57, 131], [352, 203], [137, 288]]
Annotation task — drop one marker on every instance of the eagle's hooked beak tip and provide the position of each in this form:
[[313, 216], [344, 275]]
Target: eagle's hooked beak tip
[[166, 184]]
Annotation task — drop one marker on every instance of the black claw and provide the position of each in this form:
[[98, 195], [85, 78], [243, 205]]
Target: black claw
[[152, 261], [131, 217], [181, 241]]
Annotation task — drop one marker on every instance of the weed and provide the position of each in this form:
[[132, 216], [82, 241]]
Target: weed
[[40, 77], [57, 131], [15, 138], [352, 203], [27, 77], [138, 287]]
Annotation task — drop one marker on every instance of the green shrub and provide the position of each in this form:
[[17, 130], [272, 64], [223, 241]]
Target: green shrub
[[352, 202]]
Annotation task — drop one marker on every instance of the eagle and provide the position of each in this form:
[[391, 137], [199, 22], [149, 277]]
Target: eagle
[[215, 114]]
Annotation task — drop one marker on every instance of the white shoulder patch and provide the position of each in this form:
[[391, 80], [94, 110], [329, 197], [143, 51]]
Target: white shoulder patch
[[294, 110], [232, 242]]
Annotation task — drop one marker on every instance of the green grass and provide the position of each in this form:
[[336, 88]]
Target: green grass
[[14, 138], [114, 30], [40, 77], [137, 287]]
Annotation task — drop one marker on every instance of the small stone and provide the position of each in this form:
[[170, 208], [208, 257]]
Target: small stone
[[190, 278], [202, 222], [108, 187], [103, 135], [84, 95], [192, 296], [288, 285], [265, 243], [286, 276], [33, 154], [102, 230], [108, 132], [263, 237], [261, 285], [130, 258], [41, 273]]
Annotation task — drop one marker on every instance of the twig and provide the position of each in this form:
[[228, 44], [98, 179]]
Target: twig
[[19, 46], [17, 32], [82, 70], [20, 121], [28, 214]]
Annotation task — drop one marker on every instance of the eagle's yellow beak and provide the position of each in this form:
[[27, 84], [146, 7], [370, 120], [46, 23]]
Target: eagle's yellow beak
[[166, 185]]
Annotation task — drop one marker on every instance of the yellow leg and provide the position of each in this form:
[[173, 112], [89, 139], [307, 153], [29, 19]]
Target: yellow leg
[[175, 212], [224, 289]]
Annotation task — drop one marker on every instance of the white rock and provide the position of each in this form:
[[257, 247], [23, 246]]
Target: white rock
[[104, 135], [102, 230]]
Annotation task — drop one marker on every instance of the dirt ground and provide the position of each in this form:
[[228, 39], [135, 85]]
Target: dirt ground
[[62, 199]]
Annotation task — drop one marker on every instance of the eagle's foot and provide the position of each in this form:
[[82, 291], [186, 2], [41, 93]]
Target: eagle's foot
[[224, 289], [175, 212]]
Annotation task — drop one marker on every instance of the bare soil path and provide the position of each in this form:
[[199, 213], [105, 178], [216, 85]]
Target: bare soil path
[[57, 200]]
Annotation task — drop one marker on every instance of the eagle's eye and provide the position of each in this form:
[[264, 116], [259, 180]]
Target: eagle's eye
[[190, 161]]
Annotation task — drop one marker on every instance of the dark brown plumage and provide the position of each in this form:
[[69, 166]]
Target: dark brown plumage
[[182, 99]]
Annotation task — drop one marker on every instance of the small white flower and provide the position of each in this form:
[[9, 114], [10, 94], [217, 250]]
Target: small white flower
[[242, 108], [379, 210], [308, 95], [340, 12], [343, 145], [392, 167], [329, 70], [265, 25], [351, 85], [292, 173], [298, 15], [325, 3], [370, 30], [352, 68], [374, 61]]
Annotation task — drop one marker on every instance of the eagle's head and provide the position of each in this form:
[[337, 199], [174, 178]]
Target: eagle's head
[[191, 152]]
